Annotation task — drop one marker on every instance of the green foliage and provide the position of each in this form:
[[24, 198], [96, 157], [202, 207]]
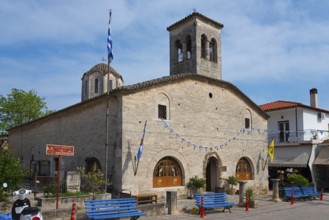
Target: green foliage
[[72, 194], [11, 170], [232, 181], [50, 190], [250, 193], [20, 107], [92, 182], [3, 196], [298, 180], [196, 183]]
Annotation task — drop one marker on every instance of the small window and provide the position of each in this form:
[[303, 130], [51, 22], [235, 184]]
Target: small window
[[86, 87], [213, 50], [284, 131], [179, 48], [247, 123], [96, 85], [188, 47], [56, 163], [162, 111], [110, 85], [203, 46]]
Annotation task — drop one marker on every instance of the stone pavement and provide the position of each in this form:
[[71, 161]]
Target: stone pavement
[[267, 209]]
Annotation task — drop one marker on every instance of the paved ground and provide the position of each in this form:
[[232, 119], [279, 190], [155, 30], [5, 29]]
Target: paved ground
[[267, 209]]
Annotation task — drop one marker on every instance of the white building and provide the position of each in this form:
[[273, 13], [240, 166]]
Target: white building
[[300, 132]]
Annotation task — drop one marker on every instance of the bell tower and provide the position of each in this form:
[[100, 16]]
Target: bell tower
[[195, 46]]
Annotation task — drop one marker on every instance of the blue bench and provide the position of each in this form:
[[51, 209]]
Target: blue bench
[[213, 200], [112, 208], [310, 191], [301, 192]]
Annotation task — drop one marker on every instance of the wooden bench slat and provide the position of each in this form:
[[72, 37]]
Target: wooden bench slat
[[300, 192], [213, 200], [113, 208]]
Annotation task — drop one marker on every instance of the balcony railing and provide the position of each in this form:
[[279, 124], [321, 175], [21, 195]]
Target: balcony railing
[[298, 136]]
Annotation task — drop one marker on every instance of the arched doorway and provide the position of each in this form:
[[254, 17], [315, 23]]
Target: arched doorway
[[92, 164], [211, 174], [167, 173]]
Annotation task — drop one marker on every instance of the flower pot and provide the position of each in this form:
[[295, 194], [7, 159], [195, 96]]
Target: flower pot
[[231, 191]]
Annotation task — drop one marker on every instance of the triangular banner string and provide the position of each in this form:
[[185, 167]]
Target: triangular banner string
[[221, 146]]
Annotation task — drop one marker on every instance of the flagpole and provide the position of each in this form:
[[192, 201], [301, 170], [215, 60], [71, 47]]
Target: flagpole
[[139, 153], [109, 43]]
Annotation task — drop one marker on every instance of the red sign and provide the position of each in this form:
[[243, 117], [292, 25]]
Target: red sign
[[63, 150]]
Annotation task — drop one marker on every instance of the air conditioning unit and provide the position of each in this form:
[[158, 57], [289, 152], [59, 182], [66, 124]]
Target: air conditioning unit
[[321, 115]]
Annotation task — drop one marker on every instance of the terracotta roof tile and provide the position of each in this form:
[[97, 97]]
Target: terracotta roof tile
[[279, 105]]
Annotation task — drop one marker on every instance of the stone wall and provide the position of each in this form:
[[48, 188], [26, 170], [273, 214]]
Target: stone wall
[[200, 112]]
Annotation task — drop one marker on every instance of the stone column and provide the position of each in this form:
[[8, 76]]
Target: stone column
[[242, 185], [275, 196]]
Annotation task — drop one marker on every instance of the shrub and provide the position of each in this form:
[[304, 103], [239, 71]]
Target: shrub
[[196, 183], [298, 179], [92, 182], [250, 193], [50, 190], [232, 181]]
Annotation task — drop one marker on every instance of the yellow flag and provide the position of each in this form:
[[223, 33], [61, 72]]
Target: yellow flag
[[271, 150]]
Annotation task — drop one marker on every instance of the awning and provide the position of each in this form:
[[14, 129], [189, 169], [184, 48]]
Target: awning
[[291, 156], [323, 157]]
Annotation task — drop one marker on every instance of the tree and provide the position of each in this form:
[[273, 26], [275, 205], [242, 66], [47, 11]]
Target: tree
[[11, 170], [20, 107]]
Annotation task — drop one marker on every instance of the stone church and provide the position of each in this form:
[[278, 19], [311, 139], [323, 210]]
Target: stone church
[[196, 124]]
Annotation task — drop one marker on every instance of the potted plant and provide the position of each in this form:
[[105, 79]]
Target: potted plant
[[251, 198], [232, 182], [195, 185]]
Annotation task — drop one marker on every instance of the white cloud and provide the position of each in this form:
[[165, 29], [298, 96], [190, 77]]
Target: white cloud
[[48, 45]]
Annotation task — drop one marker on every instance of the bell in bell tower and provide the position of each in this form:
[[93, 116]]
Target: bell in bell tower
[[195, 46]]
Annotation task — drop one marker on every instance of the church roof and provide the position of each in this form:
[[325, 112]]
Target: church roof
[[195, 15], [130, 89], [183, 76], [103, 69]]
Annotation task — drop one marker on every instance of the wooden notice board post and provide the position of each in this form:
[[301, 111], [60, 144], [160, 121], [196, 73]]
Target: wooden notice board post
[[59, 150]]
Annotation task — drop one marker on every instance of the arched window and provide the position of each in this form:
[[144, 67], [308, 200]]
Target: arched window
[[243, 170], [179, 48], [213, 50], [96, 85], [92, 165], [203, 46], [86, 87], [188, 47], [110, 87], [167, 173]]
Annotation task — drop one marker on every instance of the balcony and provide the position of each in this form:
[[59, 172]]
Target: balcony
[[305, 136]]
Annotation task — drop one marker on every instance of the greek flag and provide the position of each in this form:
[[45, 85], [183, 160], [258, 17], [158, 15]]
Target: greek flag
[[109, 42], [140, 149]]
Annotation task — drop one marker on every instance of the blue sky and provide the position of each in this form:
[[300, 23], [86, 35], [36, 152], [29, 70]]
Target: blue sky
[[271, 50]]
